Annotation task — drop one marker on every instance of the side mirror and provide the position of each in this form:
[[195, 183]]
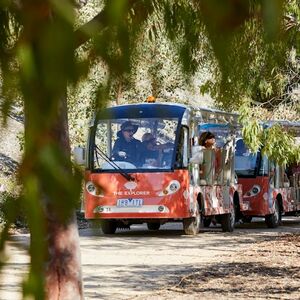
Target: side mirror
[[79, 155]]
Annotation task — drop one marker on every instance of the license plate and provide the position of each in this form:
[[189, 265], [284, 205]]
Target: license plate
[[130, 202]]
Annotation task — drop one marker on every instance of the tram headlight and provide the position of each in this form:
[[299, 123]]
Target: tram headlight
[[94, 189], [90, 187], [172, 188], [253, 191]]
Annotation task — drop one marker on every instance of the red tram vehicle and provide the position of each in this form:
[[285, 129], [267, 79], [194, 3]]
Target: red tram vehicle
[[144, 164], [270, 190]]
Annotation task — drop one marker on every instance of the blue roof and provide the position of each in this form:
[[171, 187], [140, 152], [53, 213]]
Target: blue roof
[[145, 110], [212, 126]]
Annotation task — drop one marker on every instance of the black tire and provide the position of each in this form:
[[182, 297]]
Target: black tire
[[237, 211], [206, 222], [246, 219], [191, 226], [108, 226], [94, 224], [228, 221], [273, 220], [153, 226]]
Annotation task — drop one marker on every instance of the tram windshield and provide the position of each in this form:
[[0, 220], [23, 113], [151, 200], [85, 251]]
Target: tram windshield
[[137, 143], [245, 161]]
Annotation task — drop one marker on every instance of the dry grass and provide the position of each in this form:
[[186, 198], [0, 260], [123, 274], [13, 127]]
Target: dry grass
[[266, 270]]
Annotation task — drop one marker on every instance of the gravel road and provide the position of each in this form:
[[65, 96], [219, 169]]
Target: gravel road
[[10, 153], [139, 264]]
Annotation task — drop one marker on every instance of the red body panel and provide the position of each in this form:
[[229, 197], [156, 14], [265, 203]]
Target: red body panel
[[262, 203], [152, 188], [219, 199], [158, 201], [258, 205], [289, 202]]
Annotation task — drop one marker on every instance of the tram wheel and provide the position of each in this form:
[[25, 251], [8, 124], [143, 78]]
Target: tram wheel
[[206, 222], [228, 221], [153, 226], [273, 220], [191, 226], [108, 226], [94, 223]]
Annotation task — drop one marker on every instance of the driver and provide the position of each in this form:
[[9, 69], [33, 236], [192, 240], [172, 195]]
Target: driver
[[126, 147]]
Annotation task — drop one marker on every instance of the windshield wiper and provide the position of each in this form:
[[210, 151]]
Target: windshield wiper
[[112, 163]]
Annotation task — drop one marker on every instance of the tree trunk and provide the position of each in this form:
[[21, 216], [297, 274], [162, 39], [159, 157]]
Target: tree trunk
[[51, 187], [63, 279], [55, 246], [63, 276]]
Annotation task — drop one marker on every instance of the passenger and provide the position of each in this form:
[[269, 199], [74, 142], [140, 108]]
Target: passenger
[[152, 151], [126, 147], [208, 141], [150, 154], [291, 171]]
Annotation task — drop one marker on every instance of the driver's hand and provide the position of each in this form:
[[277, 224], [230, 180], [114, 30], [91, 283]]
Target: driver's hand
[[122, 154]]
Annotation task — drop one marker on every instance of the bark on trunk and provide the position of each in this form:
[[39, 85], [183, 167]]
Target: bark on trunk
[[55, 258], [63, 275], [63, 272]]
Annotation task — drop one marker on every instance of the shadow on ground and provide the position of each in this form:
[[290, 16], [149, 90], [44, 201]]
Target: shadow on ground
[[243, 280], [134, 279], [8, 166]]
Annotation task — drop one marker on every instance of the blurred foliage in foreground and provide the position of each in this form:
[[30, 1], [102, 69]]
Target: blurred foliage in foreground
[[250, 47]]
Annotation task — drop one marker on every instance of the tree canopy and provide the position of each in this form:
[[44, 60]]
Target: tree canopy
[[250, 49]]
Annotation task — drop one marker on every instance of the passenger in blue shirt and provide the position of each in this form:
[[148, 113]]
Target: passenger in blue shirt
[[126, 147], [152, 153]]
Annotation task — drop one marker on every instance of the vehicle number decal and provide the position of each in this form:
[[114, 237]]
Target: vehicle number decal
[[130, 202]]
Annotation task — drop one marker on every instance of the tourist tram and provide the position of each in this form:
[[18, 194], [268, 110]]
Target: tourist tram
[[269, 190], [129, 180]]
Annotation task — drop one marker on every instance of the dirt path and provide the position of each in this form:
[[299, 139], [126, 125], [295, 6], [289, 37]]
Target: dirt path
[[266, 270], [139, 264]]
